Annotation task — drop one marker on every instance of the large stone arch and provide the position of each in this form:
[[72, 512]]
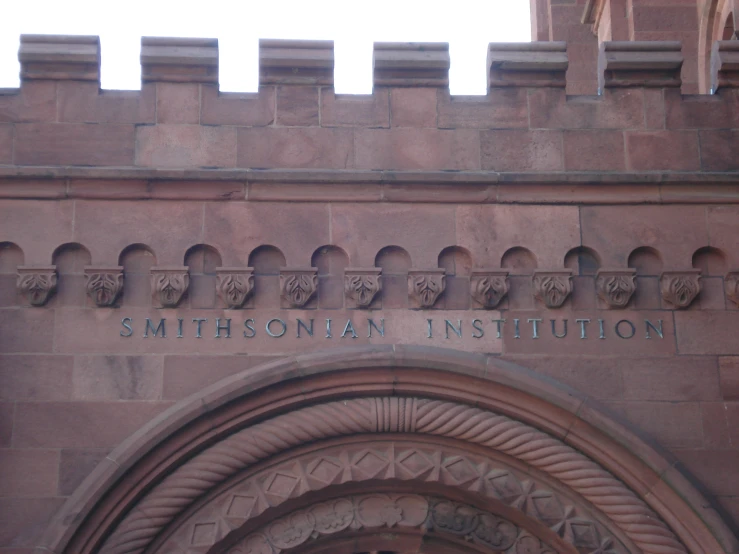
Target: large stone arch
[[172, 478]]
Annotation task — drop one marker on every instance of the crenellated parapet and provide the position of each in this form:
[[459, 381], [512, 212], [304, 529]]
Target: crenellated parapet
[[179, 128]]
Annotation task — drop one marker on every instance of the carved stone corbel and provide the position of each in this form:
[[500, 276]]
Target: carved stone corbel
[[104, 284], [552, 287], [615, 287], [680, 288], [488, 286], [168, 285], [425, 286], [37, 283], [297, 286], [234, 285], [361, 286], [731, 283]]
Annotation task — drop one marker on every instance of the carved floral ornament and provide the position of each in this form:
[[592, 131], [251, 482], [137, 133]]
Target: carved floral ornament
[[616, 286], [37, 283], [168, 285], [680, 288], [297, 286], [234, 285], [378, 511], [552, 287], [731, 283], [104, 284], [489, 286], [361, 286], [425, 286]]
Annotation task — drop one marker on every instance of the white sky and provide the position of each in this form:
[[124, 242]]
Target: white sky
[[468, 25]]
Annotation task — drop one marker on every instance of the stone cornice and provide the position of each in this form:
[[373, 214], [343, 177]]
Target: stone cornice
[[126, 183]]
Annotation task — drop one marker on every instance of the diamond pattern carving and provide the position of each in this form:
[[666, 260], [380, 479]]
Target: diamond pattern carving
[[325, 470], [272, 486], [370, 463], [240, 506], [281, 484], [415, 463]]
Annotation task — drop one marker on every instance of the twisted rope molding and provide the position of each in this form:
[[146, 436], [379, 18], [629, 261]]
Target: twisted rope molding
[[399, 415]]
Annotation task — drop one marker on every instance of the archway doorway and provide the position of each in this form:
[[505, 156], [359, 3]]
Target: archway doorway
[[387, 449]]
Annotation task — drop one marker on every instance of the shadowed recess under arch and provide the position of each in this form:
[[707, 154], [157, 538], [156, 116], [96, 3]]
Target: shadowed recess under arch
[[267, 260], [11, 256], [646, 260], [202, 261], [456, 260], [710, 260], [519, 260], [137, 261], [70, 260], [331, 262], [582, 261]]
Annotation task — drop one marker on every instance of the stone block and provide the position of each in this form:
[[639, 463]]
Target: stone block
[[75, 464], [297, 106], [296, 229], [401, 225], [80, 424], [719, 150], [417, 149], [38, 242], [411, 64], [413, 107], [74, 144], [183, 146], [351, 110], [594, 151], [596, 376], [725, 65], [488, 231], [527, 64], [186, 375], [35, 101], [713, 468], [168, 228], [296, 62], [26, 331], [29, 377], [84, 102], [701, 111], [23, 520], [663, 151], [178, 102], [522, 150], [676, 232], [640, 64], [117, 377], [674, 425], [6, 423], [708, 332], [181, 60], [235, 108], [295, 148], [550, 108], [682, 379], [501, 108], [60, 57], [729, 376], [28, 472], [6, 144]]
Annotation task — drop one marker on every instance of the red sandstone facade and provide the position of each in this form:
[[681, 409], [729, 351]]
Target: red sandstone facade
[[405, 322]]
